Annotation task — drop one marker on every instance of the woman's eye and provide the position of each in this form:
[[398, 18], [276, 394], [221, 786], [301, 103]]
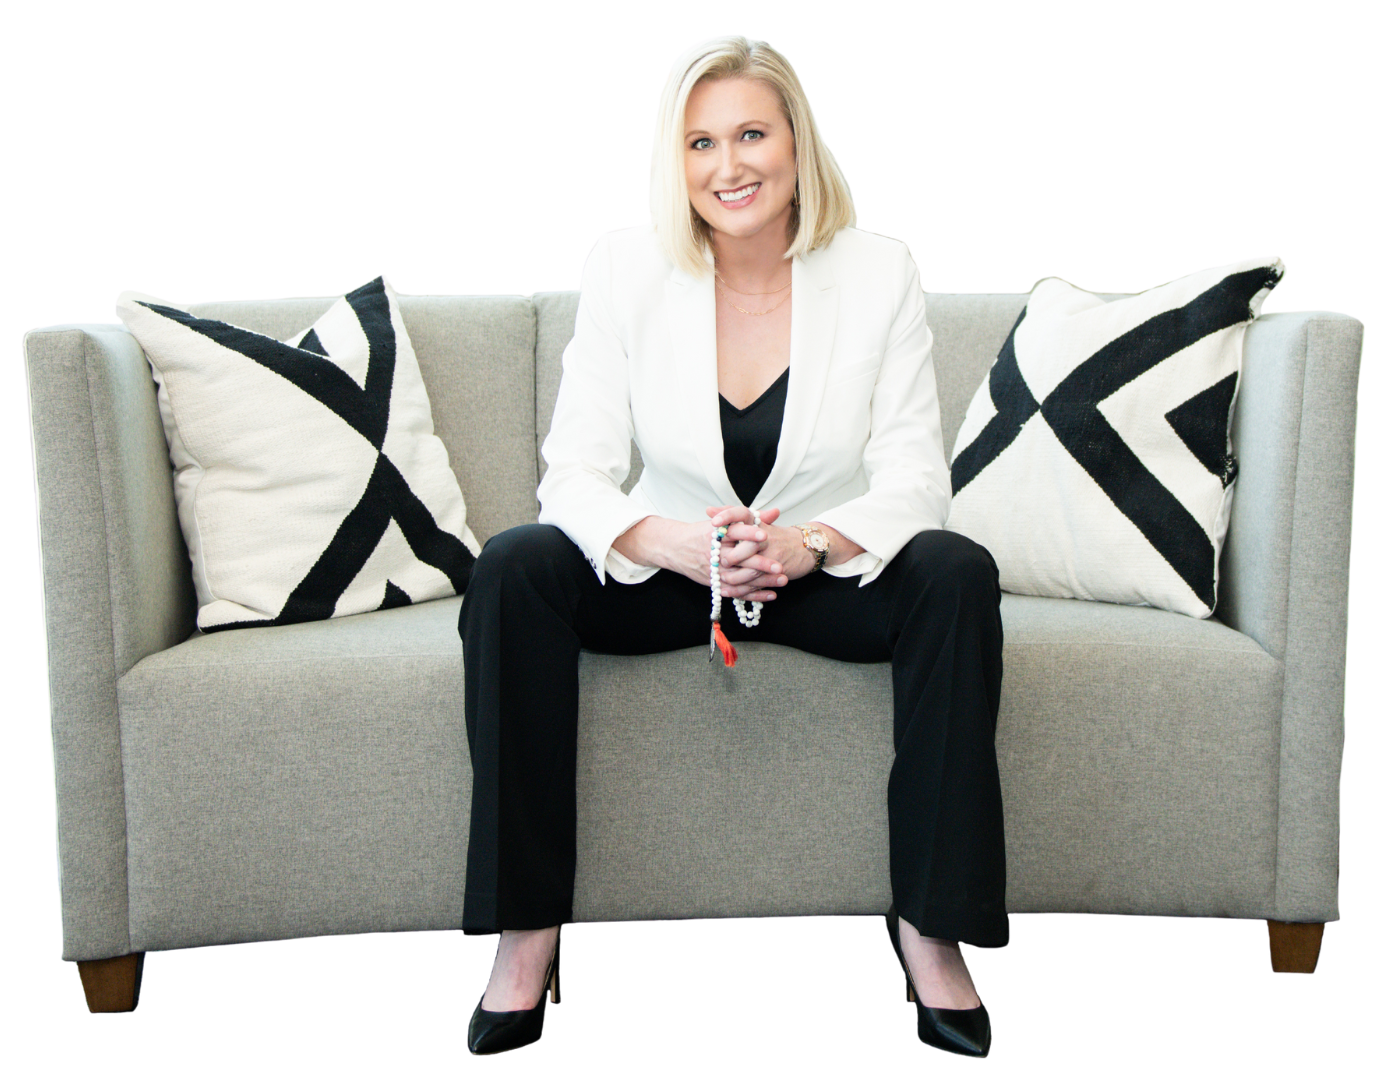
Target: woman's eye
[[703, 144], [697, 145], [753, 134]]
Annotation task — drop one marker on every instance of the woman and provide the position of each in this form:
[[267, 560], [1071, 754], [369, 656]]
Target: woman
[[772, 363]]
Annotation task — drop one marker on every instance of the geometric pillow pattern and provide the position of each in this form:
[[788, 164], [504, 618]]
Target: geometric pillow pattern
[[1094, 461], [308, 478]]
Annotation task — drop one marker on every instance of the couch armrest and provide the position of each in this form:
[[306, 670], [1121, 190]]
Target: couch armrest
[[1284, 573], [117, 587]]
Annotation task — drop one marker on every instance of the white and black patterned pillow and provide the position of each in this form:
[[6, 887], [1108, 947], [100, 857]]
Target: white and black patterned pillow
[[1094, 460], [308, 477]]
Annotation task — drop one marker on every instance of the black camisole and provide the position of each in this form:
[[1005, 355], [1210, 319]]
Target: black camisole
[[751, 437]]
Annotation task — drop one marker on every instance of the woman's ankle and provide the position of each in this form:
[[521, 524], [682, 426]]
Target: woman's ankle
[[519, 969]]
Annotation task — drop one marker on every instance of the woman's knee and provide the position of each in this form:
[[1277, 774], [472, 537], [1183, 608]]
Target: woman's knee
[[522, 548], [939, 557]]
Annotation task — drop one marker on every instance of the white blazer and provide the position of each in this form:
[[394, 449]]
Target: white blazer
[[861, 449]]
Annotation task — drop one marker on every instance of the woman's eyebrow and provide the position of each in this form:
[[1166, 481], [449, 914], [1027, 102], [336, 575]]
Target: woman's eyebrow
[[742, 124]]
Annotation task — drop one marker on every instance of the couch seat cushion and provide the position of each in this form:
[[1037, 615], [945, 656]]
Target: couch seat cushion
[[315, 778]]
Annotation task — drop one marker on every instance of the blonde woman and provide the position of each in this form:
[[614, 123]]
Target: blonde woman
[[772, 364]]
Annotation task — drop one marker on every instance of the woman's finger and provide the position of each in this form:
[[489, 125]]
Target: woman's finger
[[750, 578], [763, 595], [735, 552]]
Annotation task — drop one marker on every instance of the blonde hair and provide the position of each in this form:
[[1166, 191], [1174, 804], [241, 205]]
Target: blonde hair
[[822, 200]]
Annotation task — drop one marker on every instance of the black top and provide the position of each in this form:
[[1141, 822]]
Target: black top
[[751, 437]]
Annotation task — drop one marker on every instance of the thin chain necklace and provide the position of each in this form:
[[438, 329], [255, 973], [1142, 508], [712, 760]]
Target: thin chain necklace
[[766, 311], [771, 292]]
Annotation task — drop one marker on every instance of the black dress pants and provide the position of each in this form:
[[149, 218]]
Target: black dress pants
[[534, 602]]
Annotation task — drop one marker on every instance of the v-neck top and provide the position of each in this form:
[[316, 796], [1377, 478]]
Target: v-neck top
[[751, 437]]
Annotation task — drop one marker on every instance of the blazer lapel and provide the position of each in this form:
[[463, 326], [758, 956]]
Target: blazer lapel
[[815, 294], [691, 316]]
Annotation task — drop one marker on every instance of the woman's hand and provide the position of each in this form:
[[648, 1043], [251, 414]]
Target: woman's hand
[[755, 560], [685, 548], [747, 571]]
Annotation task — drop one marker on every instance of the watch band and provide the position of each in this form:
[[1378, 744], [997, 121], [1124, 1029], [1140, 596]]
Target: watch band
[[818, 543]]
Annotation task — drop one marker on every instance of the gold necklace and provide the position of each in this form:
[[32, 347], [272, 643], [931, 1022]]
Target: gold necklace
[[752, 294], [771, 292]]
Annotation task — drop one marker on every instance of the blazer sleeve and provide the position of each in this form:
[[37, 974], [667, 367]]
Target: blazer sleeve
[[587, 448], [909, 480]]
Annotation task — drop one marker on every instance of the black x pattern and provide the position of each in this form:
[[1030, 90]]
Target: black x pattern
[[1071, 410], [367, 410]]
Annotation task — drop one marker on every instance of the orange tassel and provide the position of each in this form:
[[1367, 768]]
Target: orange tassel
[[723, 643]]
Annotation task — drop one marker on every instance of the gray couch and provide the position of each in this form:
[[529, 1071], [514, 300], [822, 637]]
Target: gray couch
[[315, 779]]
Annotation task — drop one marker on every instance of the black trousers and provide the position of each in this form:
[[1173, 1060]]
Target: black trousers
[[534, 602]]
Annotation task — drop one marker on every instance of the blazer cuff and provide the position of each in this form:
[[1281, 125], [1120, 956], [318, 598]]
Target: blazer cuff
[[623, 569], [867, 564]]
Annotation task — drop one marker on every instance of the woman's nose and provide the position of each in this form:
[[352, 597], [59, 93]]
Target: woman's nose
[[730, 160]]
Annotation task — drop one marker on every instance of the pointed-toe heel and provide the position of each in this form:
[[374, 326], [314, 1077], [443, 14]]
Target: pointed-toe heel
[[959, 1031], [495, 1032]]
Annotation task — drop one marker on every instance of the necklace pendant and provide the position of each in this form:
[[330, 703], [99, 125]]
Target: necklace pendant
[[711, 655]]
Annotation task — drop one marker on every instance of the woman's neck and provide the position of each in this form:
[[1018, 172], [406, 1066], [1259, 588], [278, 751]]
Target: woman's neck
[[752, 263]]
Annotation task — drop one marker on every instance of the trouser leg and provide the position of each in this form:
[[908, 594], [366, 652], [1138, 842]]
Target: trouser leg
[[947, 840], [934, 612], [532, 603]]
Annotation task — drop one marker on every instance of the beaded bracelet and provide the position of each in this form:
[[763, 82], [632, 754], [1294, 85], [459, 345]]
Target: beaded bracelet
[[748, 619]]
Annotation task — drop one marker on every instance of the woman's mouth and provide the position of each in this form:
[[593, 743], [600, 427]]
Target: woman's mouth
[[738, 197]]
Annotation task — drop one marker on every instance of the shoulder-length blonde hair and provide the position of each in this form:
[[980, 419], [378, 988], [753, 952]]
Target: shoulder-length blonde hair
[[822, 200]]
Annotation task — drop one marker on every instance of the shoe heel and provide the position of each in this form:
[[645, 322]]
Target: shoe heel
[[959, 1031], [555, 984], [495, 1032]]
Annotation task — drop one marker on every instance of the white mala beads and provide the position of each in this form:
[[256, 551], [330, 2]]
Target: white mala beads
[[748, 618]]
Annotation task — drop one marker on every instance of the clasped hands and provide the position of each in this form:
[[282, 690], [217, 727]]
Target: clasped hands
[[755, 560]]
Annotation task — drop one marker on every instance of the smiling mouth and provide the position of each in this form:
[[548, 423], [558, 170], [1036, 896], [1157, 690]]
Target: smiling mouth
[[748, 188]]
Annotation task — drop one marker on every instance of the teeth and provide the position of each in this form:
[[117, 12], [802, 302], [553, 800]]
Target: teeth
[[736, 196]]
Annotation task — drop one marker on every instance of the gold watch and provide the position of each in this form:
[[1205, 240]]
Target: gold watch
[[818, 543]]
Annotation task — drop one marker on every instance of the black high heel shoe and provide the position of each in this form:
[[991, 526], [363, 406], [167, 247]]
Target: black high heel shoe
[[494, 1032], [959, 1031]]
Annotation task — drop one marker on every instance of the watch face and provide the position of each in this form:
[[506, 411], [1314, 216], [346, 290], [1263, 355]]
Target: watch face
[[817, 540]]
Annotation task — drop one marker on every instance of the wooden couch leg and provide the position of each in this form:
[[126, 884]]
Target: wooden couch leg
[[112, 985], [1295, 945]]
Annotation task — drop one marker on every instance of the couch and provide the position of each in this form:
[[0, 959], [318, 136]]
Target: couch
[[314, 779]]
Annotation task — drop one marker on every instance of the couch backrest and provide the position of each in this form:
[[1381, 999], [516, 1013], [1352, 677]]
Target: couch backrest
[[492, 367]]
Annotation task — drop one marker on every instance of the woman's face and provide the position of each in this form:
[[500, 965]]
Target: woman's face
[[739, 156]]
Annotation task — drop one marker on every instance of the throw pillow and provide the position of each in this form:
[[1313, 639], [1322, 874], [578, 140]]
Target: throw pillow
[[307, 474], [1094, 460]]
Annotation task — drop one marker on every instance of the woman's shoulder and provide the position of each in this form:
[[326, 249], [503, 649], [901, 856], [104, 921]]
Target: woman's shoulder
[[635, 251], [857, 245]]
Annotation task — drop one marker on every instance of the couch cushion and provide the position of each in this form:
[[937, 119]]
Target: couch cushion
[[307, 474], [476, 359], [1094, 460], [315, 778]]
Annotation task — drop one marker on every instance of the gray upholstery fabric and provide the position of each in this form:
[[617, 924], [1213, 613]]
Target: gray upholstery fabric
[[315, 779], [1317, 618], [298, 780], [116, 588]]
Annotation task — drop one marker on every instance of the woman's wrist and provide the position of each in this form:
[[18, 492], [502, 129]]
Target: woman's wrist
[[804, 561], [645, 541], [839, 549]]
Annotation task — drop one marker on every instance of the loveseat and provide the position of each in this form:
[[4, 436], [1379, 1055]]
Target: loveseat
[[314, 778]]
